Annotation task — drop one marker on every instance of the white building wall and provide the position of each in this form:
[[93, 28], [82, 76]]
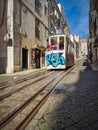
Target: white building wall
[[10, 49]]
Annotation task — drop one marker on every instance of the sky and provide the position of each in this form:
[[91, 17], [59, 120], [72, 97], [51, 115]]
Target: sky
[[77, 15]]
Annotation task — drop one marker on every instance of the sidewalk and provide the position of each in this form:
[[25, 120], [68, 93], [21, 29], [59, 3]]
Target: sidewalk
[[17, 75], [26, 73], [94, 66]]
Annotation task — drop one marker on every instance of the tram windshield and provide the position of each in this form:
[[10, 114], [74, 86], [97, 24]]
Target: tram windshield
[[56, 43], [53, 42]]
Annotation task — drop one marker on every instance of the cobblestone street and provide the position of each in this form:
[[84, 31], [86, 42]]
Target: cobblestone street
[[74, 103], [48, 65]]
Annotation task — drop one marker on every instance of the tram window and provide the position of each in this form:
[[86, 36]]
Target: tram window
[[61, 41], [53, 41]]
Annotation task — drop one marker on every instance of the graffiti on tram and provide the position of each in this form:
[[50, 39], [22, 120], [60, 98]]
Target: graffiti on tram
[[55, 59]]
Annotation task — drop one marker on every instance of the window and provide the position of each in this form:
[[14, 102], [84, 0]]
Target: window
[[46, 32], [61, 42], [37, 31], [52, 28], [53, 42], [45, 11], [37, 5], [58, 22]]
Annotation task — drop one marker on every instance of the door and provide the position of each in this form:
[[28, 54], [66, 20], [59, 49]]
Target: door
[[24, 58], [37, 58]]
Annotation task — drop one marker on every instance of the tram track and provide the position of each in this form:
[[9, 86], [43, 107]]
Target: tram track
[[14, 113], [19, 109], [26, 85], [44, 92], [6, 84]]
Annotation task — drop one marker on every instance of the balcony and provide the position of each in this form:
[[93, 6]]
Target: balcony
[[52, 15]]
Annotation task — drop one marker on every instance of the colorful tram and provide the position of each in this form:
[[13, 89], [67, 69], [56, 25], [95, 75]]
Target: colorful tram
[[59, 53]]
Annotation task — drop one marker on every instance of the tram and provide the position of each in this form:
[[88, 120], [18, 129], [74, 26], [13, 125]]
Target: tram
[[59, 53]]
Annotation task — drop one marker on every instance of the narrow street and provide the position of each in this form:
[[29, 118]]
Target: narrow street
[[74, 103], [48, 65]]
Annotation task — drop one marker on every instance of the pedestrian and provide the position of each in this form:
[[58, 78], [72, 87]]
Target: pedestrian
[[90, 56]]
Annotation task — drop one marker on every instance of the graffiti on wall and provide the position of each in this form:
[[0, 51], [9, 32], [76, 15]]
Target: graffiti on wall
[[55, 59]]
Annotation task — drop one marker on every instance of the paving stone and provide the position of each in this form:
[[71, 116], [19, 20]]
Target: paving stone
[[73, 105], [95, 126], [71, 128], [81, 125]]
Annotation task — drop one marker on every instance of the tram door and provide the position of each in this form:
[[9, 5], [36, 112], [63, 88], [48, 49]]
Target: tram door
[[37, 58], [24, 58]]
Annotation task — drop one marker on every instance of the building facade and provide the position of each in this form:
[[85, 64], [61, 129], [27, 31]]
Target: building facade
[[73, 40], [84, 47], [78, 46], [64, 24], [93, 29], [24, 27]]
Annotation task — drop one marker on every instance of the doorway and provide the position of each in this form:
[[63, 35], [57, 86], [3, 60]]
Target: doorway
[[24, 58], [37, 58]]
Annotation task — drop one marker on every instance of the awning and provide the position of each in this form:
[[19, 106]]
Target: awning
[[39, 47]]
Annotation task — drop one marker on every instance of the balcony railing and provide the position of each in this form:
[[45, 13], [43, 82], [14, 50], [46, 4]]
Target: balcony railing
[[52, 15]]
